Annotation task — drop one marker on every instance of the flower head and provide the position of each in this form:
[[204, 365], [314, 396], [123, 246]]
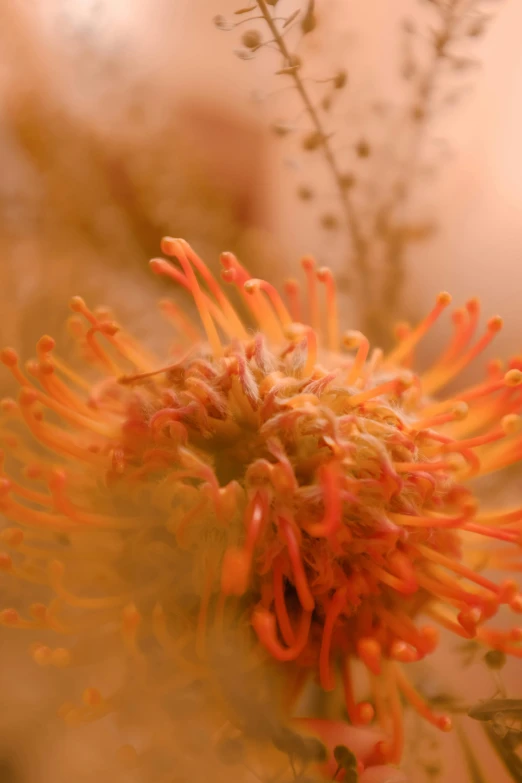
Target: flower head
[[275, 475]]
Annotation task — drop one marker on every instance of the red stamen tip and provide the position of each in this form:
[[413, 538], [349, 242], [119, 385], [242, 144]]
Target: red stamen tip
[[307, 262], [444, 298], [27, 396], [9, 617], [45, 344], [369, 651], [495, 324], [9, 357], [235, 572], [364, 713], [91, 697], [42, 655], [252, 285], [157, 265], [324, 273], [77, 304], [169, 246], [511, 423], [431, 635], [516, 603], [468, 620], [507, 591], [513, 377], [460, 410], [444, 723]]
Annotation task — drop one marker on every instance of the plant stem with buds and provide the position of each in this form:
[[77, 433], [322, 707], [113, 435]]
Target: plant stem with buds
[[360, 244]]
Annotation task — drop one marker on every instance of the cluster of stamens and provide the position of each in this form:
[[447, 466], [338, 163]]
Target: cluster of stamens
[[285, 475]]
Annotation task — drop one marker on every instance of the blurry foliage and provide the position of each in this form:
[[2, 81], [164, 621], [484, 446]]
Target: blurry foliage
[[88, 188]]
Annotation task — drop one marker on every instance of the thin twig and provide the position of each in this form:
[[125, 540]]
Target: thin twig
[[359, 242], [425, 91]]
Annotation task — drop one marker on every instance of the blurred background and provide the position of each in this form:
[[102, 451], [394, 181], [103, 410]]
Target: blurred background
[[124, 120]]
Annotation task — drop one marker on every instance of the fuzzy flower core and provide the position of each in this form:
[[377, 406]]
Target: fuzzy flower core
[[273, 475]]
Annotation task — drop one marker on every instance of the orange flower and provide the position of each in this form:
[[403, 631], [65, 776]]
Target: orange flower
[[283, 477]]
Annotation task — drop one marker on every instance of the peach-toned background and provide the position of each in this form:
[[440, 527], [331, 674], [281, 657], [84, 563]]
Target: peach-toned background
[[108, 77]]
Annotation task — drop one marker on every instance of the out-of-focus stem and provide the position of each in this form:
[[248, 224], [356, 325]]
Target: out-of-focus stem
[[394, 274], [360, 245]]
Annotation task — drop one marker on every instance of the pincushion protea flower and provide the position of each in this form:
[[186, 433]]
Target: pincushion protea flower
[[275, 476]]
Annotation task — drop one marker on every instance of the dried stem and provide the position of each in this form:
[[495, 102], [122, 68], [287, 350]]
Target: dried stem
[[425, 92], [359, 242]]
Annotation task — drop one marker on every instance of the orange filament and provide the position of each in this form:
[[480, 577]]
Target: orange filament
[[311, 352], [292, 292], [301, 583], [443, 618], [401, 585], [464, 331], [256, 303], [279, 306], [308, 264], [458, 412], [442, 722], [330, 485], [232, 317], [179, 320], [395, 749], [356, 339], [9, 358], [430, 521], [457, 567], [283, 619], [406, 346], [370, 652], [107, 329], [394, 387], [510, 536], [511, 379], [264, 624], [434, 380], [362, 713], [324, 275], [335, 607], [173, 248]]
